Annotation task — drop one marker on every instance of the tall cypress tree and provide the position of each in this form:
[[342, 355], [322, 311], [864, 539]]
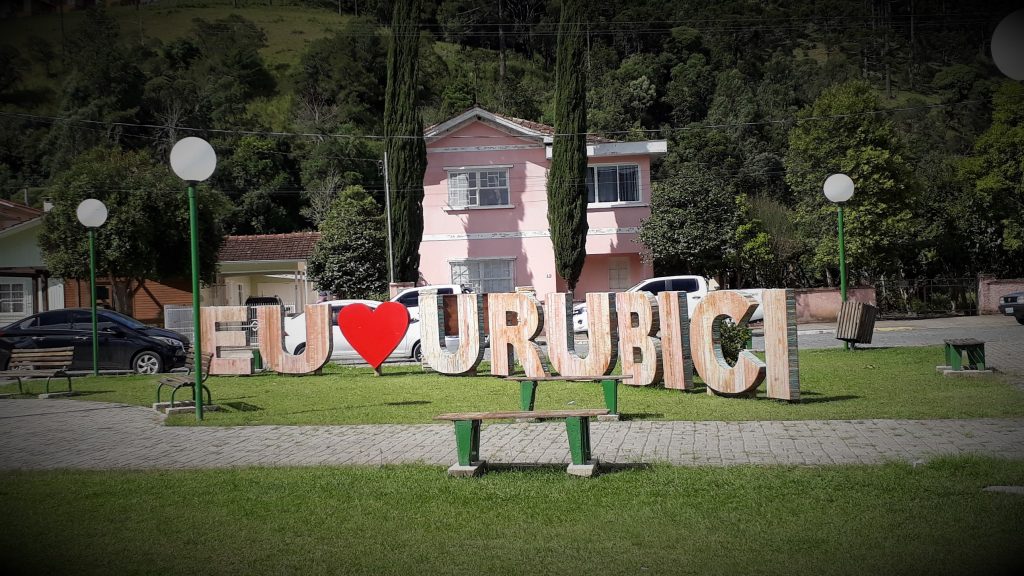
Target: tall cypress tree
[[567, 188], [403, 133]]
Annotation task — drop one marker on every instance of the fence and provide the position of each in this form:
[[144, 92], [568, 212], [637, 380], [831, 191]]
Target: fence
[[927, 297]]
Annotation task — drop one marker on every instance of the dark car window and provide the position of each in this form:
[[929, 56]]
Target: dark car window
[[81, 319], [334, 314], [410, 299], [684, 285], [109, 316], [653, 287], [27, 324], [56, 320]]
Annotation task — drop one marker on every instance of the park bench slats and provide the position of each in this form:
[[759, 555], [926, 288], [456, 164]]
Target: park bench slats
[[46, 363], [588, 413]]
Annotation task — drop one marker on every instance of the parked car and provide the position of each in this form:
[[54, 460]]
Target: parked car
[[124, 342], [696, 287], [295, 335], [410, 297], [1012, 304]]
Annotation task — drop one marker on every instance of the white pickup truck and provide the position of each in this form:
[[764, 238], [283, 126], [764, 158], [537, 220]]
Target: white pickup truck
[[696, 287]]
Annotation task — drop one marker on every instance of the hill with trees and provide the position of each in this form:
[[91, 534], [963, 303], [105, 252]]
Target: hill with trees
[[759, 102]]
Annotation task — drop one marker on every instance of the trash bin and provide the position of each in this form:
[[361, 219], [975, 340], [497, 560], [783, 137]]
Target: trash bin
[[856, 322]]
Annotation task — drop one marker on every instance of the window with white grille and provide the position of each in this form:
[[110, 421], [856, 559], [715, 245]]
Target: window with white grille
[[612, 184], [488, 275], [618, 274], [476, 187], [12, 298]]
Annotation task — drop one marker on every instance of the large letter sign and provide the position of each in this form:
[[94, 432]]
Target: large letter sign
[[653, 337], [470, 332], [705, 328], [224, 327], [516, 320], [638, 323], [318, 340], [601, 335]]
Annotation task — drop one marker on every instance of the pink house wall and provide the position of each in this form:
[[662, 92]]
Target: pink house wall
[[521, 230]]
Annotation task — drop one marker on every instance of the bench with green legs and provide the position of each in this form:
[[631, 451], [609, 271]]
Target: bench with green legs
[[467, 437], [957, 350]]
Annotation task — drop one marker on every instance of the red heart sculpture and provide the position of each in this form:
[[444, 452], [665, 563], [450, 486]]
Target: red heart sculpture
[[374, 334]]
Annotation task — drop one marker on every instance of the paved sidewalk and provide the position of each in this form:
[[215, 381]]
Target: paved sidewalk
[[47, 434]]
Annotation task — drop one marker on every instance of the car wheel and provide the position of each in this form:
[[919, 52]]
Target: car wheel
[[147, 362], [417, 353], [1020, 319], [300, 349]]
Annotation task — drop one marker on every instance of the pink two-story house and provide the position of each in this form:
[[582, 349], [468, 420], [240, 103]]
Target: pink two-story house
[[485, 207]]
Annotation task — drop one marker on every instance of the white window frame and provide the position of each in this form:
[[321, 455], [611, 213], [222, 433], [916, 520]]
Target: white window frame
[[592, 170], [12, 298], [469, 198], [477, 282]]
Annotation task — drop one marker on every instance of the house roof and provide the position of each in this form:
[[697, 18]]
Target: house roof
[[510, 124], [13, 214], [293, 246]]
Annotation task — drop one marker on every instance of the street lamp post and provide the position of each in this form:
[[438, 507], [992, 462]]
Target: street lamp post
[[194, 160], [838, 189], [92, 214]]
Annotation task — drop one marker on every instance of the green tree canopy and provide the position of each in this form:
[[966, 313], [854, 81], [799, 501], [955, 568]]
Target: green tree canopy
[[841, 133], [146, 235], [567, 188], [349, 259]]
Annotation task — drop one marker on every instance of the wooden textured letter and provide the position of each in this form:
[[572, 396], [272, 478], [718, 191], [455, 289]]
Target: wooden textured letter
[[515, 319], [780, 346], [601, 331], [471, 329], [217, 336], [319, 339], [675, 340], [640, 351], [706, 345]]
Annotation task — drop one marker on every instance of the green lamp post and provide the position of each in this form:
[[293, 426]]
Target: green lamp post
[[838, 189], [92, 214], [194, 160]]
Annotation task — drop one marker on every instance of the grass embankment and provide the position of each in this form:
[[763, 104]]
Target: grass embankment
[[877, 383], [891, 519]]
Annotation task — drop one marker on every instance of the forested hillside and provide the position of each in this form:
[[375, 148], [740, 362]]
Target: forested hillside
[[759, 100]]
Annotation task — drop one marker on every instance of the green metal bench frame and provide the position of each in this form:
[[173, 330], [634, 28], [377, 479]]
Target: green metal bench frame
[[609, 387], [177, 382], [975, 350], [577, 428]]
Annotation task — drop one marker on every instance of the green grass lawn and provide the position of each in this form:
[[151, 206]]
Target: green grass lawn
[[876, 383], [891, 519]]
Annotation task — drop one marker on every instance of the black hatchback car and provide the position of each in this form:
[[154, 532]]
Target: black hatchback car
[[125, 343]]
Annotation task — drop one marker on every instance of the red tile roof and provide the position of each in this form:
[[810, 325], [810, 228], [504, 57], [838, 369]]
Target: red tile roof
[[13, 213], [293, 246], [548, 130]]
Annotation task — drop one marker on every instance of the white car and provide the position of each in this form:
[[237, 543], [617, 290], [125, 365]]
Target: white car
[[696, 287], [410, 297], [295, 335]]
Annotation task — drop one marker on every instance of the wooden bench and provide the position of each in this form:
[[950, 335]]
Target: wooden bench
[[467, 433], [188, 379], [609, 385], [38, 363], [975, 350]]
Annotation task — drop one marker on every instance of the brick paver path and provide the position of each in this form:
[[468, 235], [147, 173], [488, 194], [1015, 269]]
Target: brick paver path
[[40, 434]]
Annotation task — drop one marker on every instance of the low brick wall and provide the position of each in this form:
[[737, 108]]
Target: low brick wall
[[990, 289], [822, 304]]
